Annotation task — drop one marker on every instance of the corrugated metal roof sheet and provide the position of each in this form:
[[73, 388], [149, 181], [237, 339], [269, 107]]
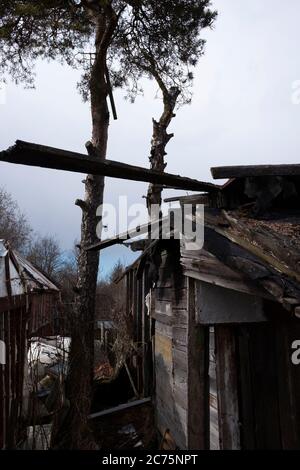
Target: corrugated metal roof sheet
[[23, 276]]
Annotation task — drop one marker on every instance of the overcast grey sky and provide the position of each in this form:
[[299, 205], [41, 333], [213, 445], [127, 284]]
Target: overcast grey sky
[[242, 113]]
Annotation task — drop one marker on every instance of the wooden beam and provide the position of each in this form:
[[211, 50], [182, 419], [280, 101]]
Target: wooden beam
[[198, 377], [155, 230], [196, 198], [244, 171], [239, 285], [119, 408], [150, 228], [25, 153]]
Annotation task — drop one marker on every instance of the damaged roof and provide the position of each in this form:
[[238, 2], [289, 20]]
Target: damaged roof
[[18, 276], [266, 250], [253, 229]]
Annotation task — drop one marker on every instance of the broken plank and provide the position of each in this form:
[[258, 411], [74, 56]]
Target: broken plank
[[196, 198], [26, 153], [152, 227]]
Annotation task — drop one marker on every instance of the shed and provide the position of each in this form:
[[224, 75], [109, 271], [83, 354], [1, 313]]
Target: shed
[[223, 319], [28, 300]]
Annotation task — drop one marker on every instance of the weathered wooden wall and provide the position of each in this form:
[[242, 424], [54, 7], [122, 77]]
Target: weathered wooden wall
[[181, 359], [230, 387], [46, 315], [214, 443], [13, 332], [171, 353], [269, 383], [257, 383], [20, 317]]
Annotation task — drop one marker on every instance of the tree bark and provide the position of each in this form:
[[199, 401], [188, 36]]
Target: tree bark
[[74, 431], [160, 139]]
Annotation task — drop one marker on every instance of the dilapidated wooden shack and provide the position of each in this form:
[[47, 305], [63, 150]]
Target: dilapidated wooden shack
[[222, 319], [28, 305], [214, 326]]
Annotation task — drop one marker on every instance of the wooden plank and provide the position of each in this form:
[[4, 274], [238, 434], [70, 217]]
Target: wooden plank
[[180, 359], [198, 377], [15, 302], [245, 171], [124, 236], [227, 386], [163, 348], [166, 421], [26, 153], [180, 316], [164, 319], [170, 415], [245, 287], [163, 330], [181, 395], [214, 429], [117, 409], [213, 398], [206, 267], [163, 307], [180, 365], [197, 198], [180, 335], [174, 295], [180, 418]]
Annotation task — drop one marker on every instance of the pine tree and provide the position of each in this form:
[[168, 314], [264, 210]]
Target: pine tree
[[129, 40]]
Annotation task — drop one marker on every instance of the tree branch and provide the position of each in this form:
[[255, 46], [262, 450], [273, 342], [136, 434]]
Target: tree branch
[[82, 204]]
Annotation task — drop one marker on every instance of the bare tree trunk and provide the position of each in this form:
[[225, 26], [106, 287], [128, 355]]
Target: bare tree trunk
[[74, 433], [160, 139]]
